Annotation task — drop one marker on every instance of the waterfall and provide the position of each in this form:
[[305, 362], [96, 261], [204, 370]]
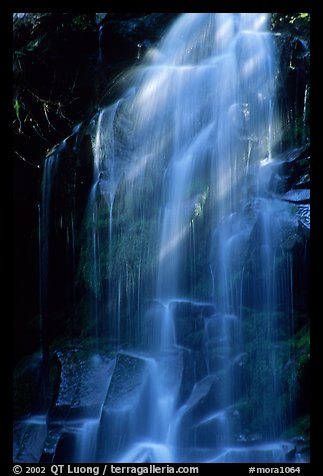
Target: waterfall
[[187, 277], [45, 216]]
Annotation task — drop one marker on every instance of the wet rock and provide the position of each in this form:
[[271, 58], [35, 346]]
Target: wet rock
[[195, 309], [292, 171], [303, 214], [188, 319], [84, 381], [55, 432], [203, 413], [302, 447], [288, 227], [258, 453], [132, 32], [194, 369], [29, 437], [126, 383], [297, 196], [303, 182], [129, 409]]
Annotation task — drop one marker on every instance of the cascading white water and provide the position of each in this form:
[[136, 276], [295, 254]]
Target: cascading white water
[[194, 133]]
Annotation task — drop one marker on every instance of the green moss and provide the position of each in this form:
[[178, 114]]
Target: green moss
[[302, 344], [281, 21], [200, 203], [275, 356], [83, 23], [301, 427]]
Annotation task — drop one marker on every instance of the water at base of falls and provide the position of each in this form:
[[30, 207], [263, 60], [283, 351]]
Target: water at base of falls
[[182, 189]]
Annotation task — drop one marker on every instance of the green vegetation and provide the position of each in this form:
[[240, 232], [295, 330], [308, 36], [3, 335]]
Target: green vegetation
[[84, 22], [55, 96], [297, 20], [300, 428], [288, 356], [293, 84], [200, 203]]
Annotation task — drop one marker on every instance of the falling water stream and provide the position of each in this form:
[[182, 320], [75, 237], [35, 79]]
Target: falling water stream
[[193, 133]]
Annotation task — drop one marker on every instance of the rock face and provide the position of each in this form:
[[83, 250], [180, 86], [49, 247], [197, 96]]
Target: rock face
[[189, 321], [134, 33], [124, 399], [29, 439], [289, 187], [83, 380]]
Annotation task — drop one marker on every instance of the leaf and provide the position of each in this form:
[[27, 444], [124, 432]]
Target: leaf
[[16, 107]]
